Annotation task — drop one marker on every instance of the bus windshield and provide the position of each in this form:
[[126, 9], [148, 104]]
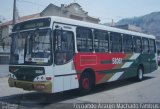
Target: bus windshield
[[31, 47]]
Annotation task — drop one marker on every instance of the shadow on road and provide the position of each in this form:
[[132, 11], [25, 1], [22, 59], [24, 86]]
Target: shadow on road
[[117, 84], [40, 100]]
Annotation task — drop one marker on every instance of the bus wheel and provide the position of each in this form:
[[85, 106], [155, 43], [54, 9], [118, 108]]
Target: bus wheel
[[140, 74], [86, 84]]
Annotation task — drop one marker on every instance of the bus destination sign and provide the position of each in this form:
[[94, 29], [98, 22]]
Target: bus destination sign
[[31, 24]]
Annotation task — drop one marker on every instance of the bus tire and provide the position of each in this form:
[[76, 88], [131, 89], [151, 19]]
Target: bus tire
[[85, 84], [140, 74]]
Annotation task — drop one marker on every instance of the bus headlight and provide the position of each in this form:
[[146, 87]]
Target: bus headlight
[[40, 78], [12, 76]]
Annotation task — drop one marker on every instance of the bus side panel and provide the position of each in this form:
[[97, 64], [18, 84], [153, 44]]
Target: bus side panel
[[107, 66], [153, 62], [145, 60], [63, 83], [65, 77]]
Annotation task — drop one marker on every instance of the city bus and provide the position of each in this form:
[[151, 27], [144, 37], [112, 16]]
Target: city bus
[[54, 54]]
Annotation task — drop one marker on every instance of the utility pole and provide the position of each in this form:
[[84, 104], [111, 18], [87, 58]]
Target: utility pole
[[14, 12]]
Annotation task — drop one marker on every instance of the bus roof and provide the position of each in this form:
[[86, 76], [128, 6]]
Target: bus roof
[[95, 26]]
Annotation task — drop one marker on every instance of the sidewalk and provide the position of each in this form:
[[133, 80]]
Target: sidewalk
[[4, 70]]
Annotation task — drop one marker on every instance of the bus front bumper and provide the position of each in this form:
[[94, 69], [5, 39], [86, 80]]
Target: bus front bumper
[[36, 86]]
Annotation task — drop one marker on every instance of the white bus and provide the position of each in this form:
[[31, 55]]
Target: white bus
[[55, 54]]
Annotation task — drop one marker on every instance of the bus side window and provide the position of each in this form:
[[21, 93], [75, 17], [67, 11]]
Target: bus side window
[[115, 42], [84, 40], [101, 40], [152, 46], [127, 44], [64, 46], [137, 44], [145, 47]]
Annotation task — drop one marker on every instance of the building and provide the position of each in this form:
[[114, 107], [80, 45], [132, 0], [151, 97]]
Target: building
[[73, 11]]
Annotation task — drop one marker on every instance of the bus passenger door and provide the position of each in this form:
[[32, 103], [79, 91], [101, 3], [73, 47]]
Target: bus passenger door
[[64, 50], [153, 55], [145, 55], [146, 62]]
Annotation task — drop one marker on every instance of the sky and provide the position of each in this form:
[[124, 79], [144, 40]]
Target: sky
[[105, 10]]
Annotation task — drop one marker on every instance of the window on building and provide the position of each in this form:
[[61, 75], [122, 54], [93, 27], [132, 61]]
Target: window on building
[[137, 44], [101, 41], [127, 44], [152, 46], [115, 42], [145, 45], [64, 46], [84, 40]]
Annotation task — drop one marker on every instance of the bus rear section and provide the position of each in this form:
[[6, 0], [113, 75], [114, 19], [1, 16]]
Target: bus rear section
[[108, 55]]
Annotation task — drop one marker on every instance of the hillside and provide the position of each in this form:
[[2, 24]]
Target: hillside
[[149, 23]]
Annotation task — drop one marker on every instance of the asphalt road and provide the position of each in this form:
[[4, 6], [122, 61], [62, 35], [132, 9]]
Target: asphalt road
[[125, 91]]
